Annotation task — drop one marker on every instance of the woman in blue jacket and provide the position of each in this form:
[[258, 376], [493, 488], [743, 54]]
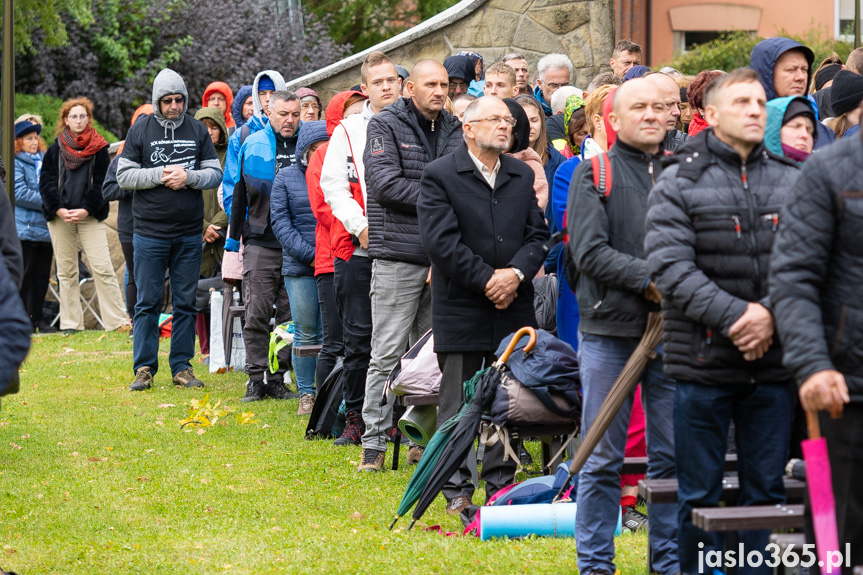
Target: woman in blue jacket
[[294, 224], [31, 224]]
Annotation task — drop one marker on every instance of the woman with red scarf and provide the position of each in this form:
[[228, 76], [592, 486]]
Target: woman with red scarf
[[73, 170]]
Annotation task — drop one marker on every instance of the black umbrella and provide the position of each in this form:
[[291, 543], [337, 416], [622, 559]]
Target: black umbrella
[[455, 451]]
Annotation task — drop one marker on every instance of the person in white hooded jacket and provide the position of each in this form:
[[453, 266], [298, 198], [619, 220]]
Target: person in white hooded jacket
[[344, 185]]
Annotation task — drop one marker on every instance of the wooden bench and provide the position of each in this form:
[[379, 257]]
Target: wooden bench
[[665, 490], [638, 465], [788, 516]]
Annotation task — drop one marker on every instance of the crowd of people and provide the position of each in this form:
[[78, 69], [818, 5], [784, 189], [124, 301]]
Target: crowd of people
[[427, 199]]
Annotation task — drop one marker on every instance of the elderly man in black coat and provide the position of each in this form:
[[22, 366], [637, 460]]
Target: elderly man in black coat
[[483, 231]]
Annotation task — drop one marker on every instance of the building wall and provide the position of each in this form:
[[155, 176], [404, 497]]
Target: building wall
[[794, 16], [583, 30]]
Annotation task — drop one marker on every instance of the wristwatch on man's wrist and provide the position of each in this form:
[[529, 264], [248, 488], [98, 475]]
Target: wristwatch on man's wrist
[[519, 274]]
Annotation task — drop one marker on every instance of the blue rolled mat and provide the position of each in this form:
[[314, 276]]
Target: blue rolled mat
[[542, 520]]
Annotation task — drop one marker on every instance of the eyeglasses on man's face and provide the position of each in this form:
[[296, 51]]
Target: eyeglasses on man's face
[[175, 100], [496, 120]]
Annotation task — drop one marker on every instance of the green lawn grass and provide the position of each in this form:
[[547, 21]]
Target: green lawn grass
[[96, 479]]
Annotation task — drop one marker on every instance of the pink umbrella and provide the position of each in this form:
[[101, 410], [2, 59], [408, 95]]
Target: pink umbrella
[[819, 482]]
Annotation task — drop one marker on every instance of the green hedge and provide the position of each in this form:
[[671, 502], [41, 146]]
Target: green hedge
[[49, 107], [732, 51]]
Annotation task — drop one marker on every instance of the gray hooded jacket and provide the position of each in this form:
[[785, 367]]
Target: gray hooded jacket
[[156, 142]]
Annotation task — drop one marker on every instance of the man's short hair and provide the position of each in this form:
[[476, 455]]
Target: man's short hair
[[604, 79], [558, 99], [513, 56], [720, 83], [501, 69], [625, 46], [553, 62], [854, 62], [373, 59], [281, 96]]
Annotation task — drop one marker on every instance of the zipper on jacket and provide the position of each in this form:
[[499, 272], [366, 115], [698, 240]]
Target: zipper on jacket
[[752, 218], [650, 171], [736, 220], [774, 217]]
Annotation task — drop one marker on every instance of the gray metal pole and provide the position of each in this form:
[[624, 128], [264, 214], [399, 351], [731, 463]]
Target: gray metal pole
[[7, 97], [856, 24]]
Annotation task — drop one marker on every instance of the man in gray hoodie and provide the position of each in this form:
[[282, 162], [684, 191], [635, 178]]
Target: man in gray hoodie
[[167, 160]]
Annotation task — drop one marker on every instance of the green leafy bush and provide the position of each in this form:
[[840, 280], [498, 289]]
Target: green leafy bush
[[49, 108], [732, 51]]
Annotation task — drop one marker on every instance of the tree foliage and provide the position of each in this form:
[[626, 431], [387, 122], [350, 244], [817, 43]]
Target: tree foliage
[[47, 17], [113, 59], [732, 51]]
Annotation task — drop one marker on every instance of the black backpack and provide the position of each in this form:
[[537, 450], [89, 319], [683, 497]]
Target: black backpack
[[327, 403]]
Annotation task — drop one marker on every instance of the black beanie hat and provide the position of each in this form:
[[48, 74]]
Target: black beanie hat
[[847, 92], [826, 74], [799, 106]]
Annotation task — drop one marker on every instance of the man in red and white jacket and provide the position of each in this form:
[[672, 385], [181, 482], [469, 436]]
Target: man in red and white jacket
[[344, 186]]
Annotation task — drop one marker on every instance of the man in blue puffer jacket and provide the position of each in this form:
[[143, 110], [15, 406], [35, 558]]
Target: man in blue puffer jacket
[[294, 224], [261, 157]]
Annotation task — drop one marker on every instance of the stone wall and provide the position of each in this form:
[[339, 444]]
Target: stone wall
[[582, 30]]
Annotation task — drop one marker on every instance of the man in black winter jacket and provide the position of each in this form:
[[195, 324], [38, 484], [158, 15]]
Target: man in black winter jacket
[[402, 139], [816, 287], [167, 160], [711, 225], [615, 296]]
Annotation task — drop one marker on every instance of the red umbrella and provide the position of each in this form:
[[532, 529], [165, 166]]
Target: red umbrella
[[819, 482]]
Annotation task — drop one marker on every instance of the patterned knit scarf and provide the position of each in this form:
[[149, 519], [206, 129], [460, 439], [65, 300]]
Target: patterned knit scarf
[[76, 150]]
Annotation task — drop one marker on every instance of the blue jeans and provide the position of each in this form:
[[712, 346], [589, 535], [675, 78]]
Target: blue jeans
[[153, 257], [601, 360], [762, 425], [306, 313]]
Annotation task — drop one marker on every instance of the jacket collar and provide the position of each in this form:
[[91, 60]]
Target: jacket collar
[[446, 123], [463, 163], [622, 148]]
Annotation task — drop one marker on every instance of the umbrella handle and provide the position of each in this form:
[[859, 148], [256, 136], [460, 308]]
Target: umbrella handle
[[812, 425], [525, 331]]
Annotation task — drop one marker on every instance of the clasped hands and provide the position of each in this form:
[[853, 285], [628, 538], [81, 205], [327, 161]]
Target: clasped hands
[[752, 333], [174, 177], [502, 288]]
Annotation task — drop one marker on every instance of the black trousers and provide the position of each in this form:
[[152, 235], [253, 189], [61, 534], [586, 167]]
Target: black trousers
[[37, 274], [845, 448], [353, 279], [456, 368], [333, 344], [131, 291]]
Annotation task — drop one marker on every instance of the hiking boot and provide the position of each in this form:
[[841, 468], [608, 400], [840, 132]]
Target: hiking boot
[[186, 378], [143, 379], [307, 404], [373, 460], [354, 429], [455, 506], [278, 390], [255, 391], [45, 327], [633, 519], [415, 453]]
